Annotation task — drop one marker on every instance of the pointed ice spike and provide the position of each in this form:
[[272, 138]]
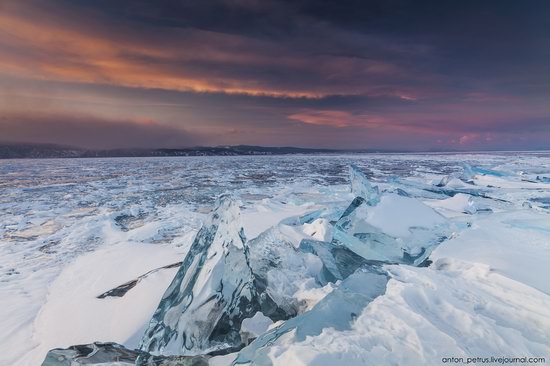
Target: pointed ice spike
[[361, 187], [210, 295]]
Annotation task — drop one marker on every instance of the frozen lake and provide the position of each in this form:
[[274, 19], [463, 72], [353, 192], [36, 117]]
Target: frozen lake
[[55, 213]]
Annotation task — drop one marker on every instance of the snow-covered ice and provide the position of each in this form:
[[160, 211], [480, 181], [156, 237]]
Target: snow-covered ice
[[71, 230]]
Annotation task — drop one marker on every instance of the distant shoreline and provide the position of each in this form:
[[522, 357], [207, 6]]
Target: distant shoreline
[[39, 151]]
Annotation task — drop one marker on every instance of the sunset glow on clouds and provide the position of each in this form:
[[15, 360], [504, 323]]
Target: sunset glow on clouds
[[358, 75]]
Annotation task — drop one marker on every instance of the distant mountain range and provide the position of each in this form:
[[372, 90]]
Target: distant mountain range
[[45, 151]]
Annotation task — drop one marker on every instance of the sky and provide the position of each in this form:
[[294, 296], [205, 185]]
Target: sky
[[347, 74]]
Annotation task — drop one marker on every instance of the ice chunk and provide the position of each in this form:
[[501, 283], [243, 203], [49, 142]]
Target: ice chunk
[[450, 182], [460, 202], [211, 294], [107, 354], [337, 310], [445, 180], [361, 187], [338, 261], [470, 172], [398, 230], [544, 202], [279, 269]]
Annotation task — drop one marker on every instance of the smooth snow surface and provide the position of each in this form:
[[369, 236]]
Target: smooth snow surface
[[72, 300], [73, 229], [514, 244]]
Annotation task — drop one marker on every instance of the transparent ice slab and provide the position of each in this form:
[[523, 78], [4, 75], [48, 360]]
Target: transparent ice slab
[[338, 261], [337, 310], [279, 268], [211, 294], [398, 230]]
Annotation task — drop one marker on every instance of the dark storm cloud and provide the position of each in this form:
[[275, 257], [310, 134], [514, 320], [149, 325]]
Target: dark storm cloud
[[305, 72]]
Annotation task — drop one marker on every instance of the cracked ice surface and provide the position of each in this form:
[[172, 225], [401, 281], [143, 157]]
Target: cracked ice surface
[[71, 230]]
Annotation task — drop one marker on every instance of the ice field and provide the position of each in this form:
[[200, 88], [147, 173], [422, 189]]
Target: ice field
[[275, 260]]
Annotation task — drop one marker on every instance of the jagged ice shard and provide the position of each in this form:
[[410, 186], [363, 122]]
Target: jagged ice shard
[[338, 261], [397, 230], [279, 269], [361, 187], [213, 291]]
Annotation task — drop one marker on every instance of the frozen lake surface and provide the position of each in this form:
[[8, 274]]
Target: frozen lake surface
[[73, 229]]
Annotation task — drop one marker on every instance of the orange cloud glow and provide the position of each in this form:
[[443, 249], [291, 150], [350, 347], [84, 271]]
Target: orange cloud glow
[[37, 43], [335, 118], [70, 55], [60, 53]]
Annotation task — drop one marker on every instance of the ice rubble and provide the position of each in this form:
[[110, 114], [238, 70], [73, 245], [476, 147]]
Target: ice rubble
[[228, 291], [225, 280]]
